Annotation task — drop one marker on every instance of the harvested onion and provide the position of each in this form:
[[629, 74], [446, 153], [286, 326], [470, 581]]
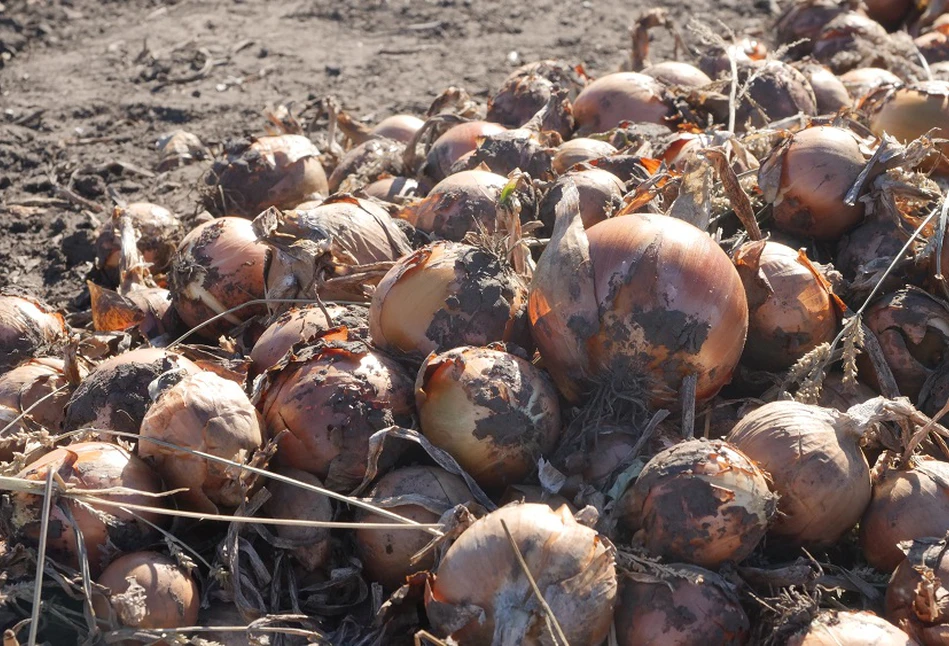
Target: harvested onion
[[462, 202], [367, 162], [601, 195], [31, 385], [159, 232], [579, 150], [527, 90], [28, 328], [618, 97], [917, 593], [911, 111], [832, 628], [310, 546], [678, 74], [454, 144], [400, 127]]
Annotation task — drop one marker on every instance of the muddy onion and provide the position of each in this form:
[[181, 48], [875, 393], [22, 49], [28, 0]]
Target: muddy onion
[[832, 628], [852, 40], [817, 469], [918, 590], [159, 231], [311, 546], [790, 309], [526, 91], [456, 142], [30, 386], [207, 413], [91, 465], [685, 605], [419, 493], [366, 163], [446, 295], [912, 111], [643, 292], [775, 91], [572, 565], [601, 194], [462, 202], [700, 502], [28, 328], [618, 97], [392, 189], [218, 266], [147, 590], [495, 413], [578, 150]]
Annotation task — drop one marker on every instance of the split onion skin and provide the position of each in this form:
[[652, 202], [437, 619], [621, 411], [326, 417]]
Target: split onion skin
[[495, 413], [618, 97], [28, 328], [831, 628], [572, 565]]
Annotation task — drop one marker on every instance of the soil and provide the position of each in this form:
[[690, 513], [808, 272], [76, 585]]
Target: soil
[[88, 87]]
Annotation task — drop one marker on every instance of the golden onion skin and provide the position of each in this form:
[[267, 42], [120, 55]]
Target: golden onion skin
[[917, 593], [462, 202], [911, 111], [572, 565], [32, 385], [579, 150], [817, 469], [28, 328], [454, 144], [601, 195], [832, 628], [678, 74], [618, 97], [700, 502], [400, 127]]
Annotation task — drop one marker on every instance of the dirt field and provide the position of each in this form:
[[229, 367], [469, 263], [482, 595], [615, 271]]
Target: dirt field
[[86, 89]]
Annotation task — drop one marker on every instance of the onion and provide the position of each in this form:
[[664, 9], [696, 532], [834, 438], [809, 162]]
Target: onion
[[463, 202], [392, 189], [829, 91], [218, 266], [643, 292], [534, 493], [158, 233], [613, 450], [300, 326], [801, 23], [912, 111], [206, 413], [807, 179], [453, 144], [678, 74], [115, 394], [331, 398], [701, 502], [280, 171], [419, 493], [618, 97], [571, 564], [310, 546], [913, 330], [860, 81], [527, 90], [507, 152], [832, 628], [366, 163], [601, 195], [853, 40], [817, 469], [934, 46], [879, 236], [90, 465], [907, 504], [23, 388], [400, 127], [790, 309], [495, 413], [775, 91], [579, 150], [28, 328], [148, 590], [685, 605], [889, 12], [918, 590], [836, 393], [447, 295]]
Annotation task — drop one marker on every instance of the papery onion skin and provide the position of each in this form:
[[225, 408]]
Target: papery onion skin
[[572, 565], [829, 91], [580, 150], [401, 127], [455, 143], [392, 189], [700, 502], [918, 590], [169, 595], [311, 546], [159, 232], [447, 295], [618, 97], [28, 328], [860, 81], [495, 413], [526, 91], [462, 202], [817, 469], [91, 465], [832, 628], [689, 606], [219, 265], [366, 163], [775, 91], [386, 553]]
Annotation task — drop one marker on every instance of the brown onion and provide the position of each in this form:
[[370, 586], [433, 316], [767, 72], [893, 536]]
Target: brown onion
[[860, 81], [571, 564], [917, 593], [775, 91], [829, 91], [859, 251], [419, 493], [637, 292], [618, 97], [802, 21], [678, 74], [331, 398], [28, 328], [115, 394], [907, 504], [684, 605], [148, 590], [527, 90], [91, 465], [912, 111], [853, 40], [700, 502], [310, 546], [392, 189], [601, 195], [366, 163], [31, 386], [460, 203], [790, 309], [817, 469], [833, 628], [495, 413], [446, 295], [207, 413], [579, 150], [218, 266], [453, 145], [889, 12], [400, 127], [837, 393], [159, 231], [807, 178], [279, 170]]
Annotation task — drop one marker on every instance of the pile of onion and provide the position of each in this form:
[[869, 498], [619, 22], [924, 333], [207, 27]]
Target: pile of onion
[[447, 295], [918, 591], [28, 328], [479, 593], [463, 202], [310, 546], [494, 412], [700, 502]]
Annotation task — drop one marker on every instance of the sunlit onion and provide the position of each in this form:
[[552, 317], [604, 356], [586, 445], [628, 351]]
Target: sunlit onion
[[911, 111], [28, 328], [580, 150], [832, 628], [829, 91], [678, 74], [601, 195], [159, 231], [801, 23], [462, 202], [527, 90], [451, 146], [392, 189], [618, 97], [852, 40], [366, 163], [400, 127], [775, 91]]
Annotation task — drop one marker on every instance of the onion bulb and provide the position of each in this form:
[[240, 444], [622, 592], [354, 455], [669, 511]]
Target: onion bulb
[[400, 127], [31, 385], [684, 605], [637, 292], [367, 162], [480, 594], [801, 23], [395, 190], [918, 591], [807, 178], [495, 413], [832, 628], [601, 195], [527, 90], [447, 295], [310, 546], [829, 91], [218, 266], [159, 231], [454, 144], [463, 202], [91, 465], [678, 74], [911, 111], [817, 469], [790, 309], [579, 150], [775, 91], [618, 97], [28, 328], [207, 413], [852, 40], [700, 502], [862, 80], [418, 493], [889, 12], [147, 590]]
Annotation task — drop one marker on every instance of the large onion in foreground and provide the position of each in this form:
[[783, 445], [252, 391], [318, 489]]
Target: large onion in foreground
[[572, 565]]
